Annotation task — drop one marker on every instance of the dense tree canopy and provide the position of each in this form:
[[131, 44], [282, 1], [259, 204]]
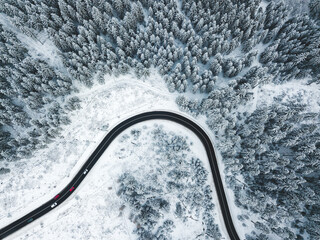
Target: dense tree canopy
[[221, 51]]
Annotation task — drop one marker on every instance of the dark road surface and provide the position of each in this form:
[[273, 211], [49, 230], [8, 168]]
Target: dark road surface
[[75, 182]]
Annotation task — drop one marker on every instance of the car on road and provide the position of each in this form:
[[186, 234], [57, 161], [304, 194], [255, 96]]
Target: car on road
[[30, 220], [56, 197], [71, 189], [53, 205], [85, 171]]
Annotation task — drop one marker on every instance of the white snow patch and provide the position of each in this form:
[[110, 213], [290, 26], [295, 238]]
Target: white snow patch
[[310, 94], [264, 4]]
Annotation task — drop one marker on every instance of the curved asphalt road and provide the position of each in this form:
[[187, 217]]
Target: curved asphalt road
[[65, 193]]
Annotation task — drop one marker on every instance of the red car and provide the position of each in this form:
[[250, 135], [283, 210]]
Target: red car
[[71, 189], [56, 197]]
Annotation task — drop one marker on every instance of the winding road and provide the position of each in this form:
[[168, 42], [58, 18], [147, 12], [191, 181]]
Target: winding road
[[88, 165]]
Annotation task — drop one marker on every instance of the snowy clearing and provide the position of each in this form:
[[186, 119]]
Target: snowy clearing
[[50, 169], [96, 212], [103, 106]]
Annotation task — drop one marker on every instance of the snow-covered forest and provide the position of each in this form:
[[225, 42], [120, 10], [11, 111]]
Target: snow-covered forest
[[173, 196], [252, 68]]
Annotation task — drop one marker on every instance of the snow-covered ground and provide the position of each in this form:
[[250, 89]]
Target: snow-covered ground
[[96, 212], [103, 106], [37, 179]]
